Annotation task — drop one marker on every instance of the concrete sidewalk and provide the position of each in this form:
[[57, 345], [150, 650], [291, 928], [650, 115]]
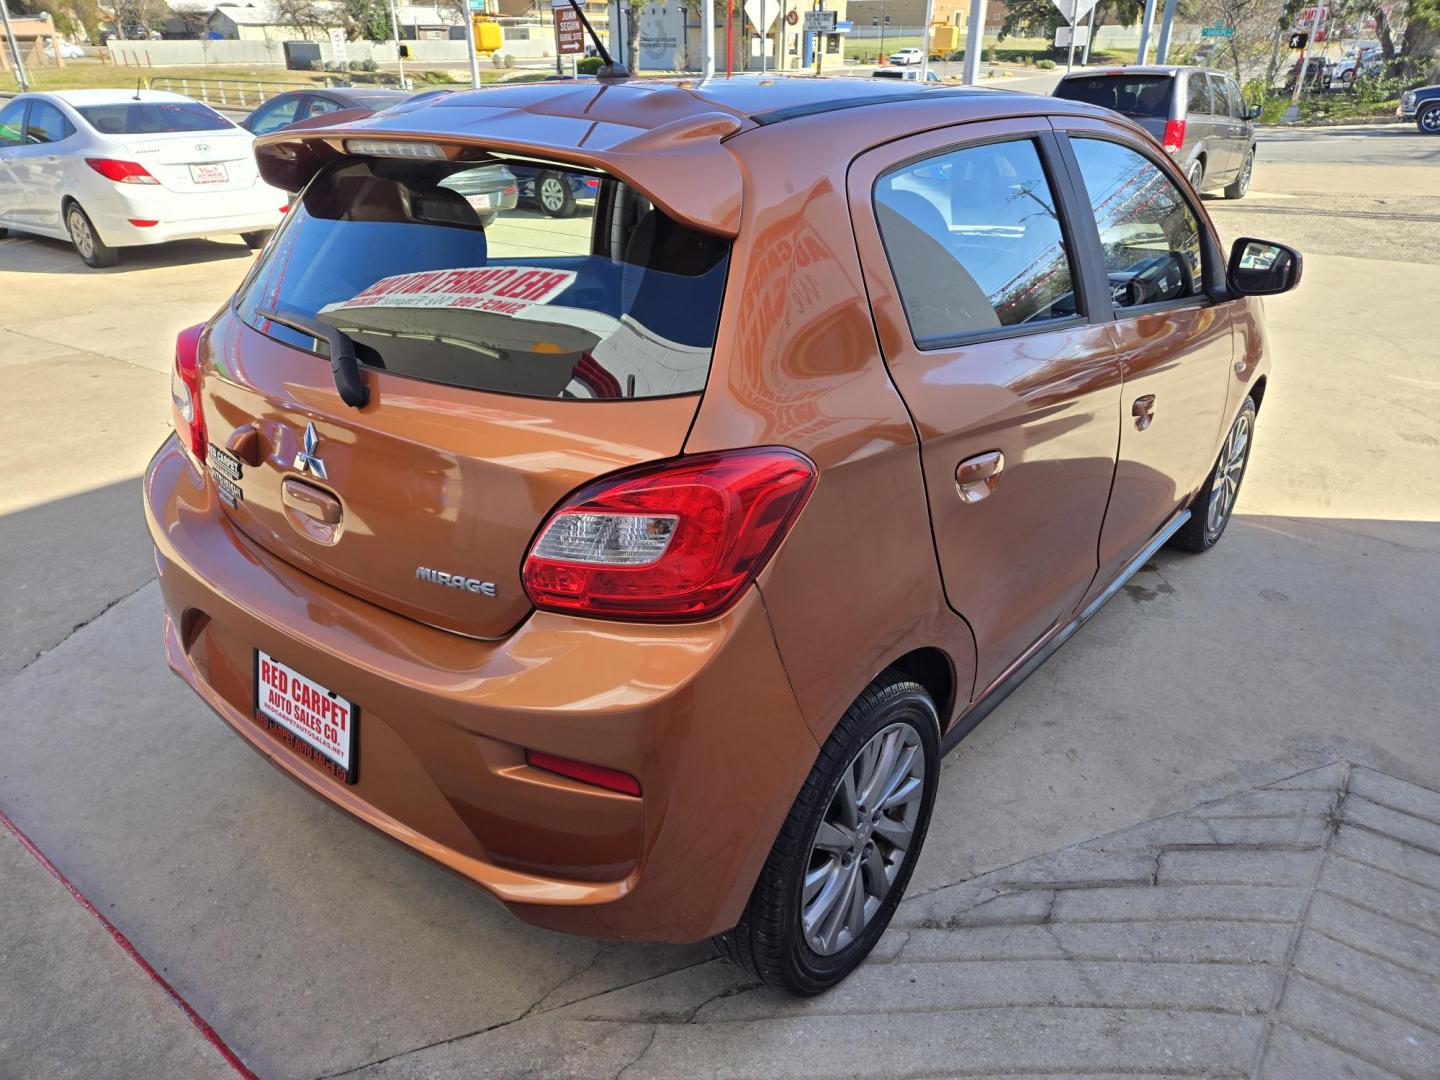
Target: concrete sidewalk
[[1289, 931], [74, 1005]]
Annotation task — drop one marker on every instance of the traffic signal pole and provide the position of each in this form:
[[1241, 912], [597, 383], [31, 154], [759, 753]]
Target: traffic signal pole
[[1162, 48]]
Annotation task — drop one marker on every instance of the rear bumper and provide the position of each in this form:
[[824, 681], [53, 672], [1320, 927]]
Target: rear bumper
[[182, 216], [702, 715]]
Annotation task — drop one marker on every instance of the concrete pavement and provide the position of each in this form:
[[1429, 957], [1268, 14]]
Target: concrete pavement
[[1305, 644]]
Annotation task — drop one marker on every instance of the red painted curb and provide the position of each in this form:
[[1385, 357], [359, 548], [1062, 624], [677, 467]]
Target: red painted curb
[[231, 1058]]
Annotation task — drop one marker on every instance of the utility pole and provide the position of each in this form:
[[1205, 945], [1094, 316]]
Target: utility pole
[[707, 39], [1090, 34], [1145, 24], [470, 40], [925, 41], [1162, 49], [14, 48], [1305, 57], [395, 29], [974, 41], [1074, 19], [764, 35]]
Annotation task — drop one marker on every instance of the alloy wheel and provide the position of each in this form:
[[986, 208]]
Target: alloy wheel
[[1228, 474], [552, 194], [1245, 173], [861, 841], [1430, 120], [80, 233], [1195, 175]]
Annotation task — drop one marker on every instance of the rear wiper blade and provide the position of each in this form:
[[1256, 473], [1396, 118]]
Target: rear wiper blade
[[344, 365]]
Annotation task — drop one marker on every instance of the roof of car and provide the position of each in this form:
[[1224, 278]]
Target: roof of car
[[114, 96], [658, 134], [1137, 69]]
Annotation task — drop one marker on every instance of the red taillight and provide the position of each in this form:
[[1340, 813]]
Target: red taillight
[[591, 182], [612, 779], [675, 541], [142, 223], [122, 172], [185, 391], [1174, 135]]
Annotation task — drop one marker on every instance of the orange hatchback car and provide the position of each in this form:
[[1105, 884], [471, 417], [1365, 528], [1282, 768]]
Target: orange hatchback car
[[639, 566]]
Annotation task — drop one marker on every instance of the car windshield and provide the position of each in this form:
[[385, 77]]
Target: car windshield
[[1145, 96], [152, 117], [455, 273]]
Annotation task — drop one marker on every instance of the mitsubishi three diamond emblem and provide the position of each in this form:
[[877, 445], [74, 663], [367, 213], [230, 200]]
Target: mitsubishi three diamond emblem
[[307, 461]]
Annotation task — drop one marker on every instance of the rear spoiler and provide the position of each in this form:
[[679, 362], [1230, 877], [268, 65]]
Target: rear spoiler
[[680, 164]]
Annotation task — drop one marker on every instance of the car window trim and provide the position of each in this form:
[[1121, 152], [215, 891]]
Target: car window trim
[[1053, 167], [1210, 257]]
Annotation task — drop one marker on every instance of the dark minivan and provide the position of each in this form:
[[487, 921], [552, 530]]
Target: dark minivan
[[1196, 114]]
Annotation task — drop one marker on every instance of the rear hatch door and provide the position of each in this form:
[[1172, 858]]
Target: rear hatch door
[[508, 364]]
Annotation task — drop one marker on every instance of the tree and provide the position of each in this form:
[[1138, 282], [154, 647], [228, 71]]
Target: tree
[[367, 19], [309, 18], [1041, 18], [194, 17], [1421, 41]]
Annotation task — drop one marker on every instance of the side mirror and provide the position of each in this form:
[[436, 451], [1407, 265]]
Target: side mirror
[[1254, 112], [1262, 268]]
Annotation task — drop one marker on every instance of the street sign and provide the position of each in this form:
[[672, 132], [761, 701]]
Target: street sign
[[338, 53], [755, 10], [1218, 30], [569, 33], [1299, 41], [1062, 36], [820, 22], [1073, 10]]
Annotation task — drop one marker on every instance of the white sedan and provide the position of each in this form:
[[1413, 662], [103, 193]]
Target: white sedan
[[107, 169], [906, 56]]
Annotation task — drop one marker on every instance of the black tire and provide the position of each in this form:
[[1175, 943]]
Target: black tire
[[1428, 120], [769, 941], [552, 192], [1196, 173], [486, 218], [1202, 532], [256, 240], [1237, 188], [4, 233], [93, 251]]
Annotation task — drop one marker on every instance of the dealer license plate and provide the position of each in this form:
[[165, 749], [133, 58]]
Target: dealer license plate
[[209, 174], [315, 722]]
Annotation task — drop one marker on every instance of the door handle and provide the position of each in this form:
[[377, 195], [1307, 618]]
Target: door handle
[[976, 477], [1144, 411]]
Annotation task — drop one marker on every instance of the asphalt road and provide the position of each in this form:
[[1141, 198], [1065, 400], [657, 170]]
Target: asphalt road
[[1306, 640]]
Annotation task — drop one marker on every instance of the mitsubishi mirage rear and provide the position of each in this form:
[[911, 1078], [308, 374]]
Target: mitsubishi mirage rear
[[428, 541]]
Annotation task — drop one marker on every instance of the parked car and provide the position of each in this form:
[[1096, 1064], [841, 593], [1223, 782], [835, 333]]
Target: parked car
[[556, 192], [908, 75], [1345, 70], [488, 189], [1197, 115], [905, 56], [68, 51], [109, 169], [282, 110], [1423, 106], [646, 610], [1315, 77]]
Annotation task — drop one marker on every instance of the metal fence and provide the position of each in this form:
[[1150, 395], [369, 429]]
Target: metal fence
[[230, 93]]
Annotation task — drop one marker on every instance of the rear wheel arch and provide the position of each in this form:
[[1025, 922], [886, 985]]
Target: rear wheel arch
[[1257, 392], [933, 669]]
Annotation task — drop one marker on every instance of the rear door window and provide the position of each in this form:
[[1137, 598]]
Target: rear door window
[[12, 122], [974, 242], [438, 272], [1145, 96], [276, 116], [1222, 101]]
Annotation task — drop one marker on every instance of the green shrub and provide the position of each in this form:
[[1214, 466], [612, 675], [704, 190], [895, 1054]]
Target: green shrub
[[588, 65], [1045, 65]]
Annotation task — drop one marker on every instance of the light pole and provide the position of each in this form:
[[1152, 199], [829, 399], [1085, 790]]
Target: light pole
[[974, 41], [470, 40], [14, 48], [395, 29]]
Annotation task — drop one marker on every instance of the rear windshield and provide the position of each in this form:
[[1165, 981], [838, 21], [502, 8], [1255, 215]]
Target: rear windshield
[[515, 279], [1134, 95], [152, 117]]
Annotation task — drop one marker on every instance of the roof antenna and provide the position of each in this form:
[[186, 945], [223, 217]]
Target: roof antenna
[[610, 69], [138, 80]]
